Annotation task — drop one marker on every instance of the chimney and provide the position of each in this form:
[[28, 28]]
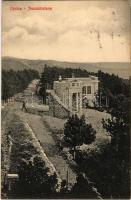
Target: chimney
[[60, 78]]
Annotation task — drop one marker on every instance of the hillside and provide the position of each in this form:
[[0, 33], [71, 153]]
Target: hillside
[[122, 69]]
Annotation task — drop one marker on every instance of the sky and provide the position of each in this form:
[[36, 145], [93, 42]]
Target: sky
[[76, 31]]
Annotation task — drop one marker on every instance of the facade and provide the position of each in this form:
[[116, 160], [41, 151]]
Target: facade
[[76, 93]]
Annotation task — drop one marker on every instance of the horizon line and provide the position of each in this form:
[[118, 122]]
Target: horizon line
[[82, 62]]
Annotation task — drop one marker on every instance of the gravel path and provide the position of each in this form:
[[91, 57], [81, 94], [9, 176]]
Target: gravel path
[[43, 134], [46, 140], [49, 146]]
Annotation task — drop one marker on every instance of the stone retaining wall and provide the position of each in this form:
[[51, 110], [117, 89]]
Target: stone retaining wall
[[56, 107]]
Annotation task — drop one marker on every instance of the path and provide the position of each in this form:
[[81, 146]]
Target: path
[[43, 134], [49, 146]]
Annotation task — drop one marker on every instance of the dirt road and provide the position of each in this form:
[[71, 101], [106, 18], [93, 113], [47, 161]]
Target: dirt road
[[42, 133], [49, 146]]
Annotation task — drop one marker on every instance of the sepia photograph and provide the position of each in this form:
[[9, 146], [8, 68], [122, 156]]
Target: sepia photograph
[[65, 100]]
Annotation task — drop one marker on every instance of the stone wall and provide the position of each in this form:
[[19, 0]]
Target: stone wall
[[59, 87], [57, 108]]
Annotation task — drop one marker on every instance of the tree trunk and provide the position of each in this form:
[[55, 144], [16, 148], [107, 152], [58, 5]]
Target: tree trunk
[[74, 153]]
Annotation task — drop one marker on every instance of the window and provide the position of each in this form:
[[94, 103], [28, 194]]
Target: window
[[88, 89], [74, 102], [73, 84], [84, 90]]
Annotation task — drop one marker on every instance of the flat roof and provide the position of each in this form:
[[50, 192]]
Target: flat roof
[[78, 79]]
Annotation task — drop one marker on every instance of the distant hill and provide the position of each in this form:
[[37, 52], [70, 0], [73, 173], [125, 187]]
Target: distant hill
[[121, 69]]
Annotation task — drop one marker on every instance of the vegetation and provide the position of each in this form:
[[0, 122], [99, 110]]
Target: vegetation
[[84, 188], [52, 74], [107, 165], [119, 150], [109, 87], [35, 179], [112, 84], [77, 132], [16, 81]]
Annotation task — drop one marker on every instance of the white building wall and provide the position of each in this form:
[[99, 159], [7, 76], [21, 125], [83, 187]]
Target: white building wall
[[65, 88]]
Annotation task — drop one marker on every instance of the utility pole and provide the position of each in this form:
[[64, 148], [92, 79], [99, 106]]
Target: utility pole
[[100, 99], [67, 178], [106, 102]]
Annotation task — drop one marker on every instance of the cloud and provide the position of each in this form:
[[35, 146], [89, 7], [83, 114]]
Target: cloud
[[84, 30]]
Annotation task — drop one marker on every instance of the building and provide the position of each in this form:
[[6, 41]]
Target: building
[[75, 93]]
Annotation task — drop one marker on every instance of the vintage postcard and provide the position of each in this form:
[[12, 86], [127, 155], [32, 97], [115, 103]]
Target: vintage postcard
[[65, 100]]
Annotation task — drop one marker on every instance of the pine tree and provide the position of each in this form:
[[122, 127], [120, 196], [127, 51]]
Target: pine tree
[[77, 132], [119, 151]]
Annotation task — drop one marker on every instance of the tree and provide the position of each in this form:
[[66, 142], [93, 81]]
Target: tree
[[118, 128], [34, 178], [107, 165], [77, 132], [118, 125], [52, 73], [16, 81], [111, 86], [83, 188]]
